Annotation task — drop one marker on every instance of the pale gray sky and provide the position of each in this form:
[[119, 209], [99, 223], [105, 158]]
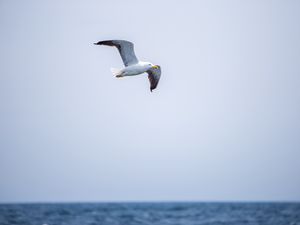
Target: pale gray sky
[[223, 123]]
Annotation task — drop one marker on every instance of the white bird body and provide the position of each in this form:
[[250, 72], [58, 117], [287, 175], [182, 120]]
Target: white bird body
[[132, 65], [133, 70]]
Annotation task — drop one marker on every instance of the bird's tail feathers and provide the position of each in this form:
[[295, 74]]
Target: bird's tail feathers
[[116, 72]]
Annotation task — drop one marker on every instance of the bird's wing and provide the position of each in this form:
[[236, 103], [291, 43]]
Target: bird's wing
[[126, 50], [154, 76]]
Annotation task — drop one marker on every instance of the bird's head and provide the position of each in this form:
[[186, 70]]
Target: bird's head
[[155, 67], [151, 65]]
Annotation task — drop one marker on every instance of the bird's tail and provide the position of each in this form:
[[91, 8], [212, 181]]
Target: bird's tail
[[116, 72]]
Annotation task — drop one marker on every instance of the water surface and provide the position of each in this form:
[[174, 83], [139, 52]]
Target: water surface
[[151, 213]]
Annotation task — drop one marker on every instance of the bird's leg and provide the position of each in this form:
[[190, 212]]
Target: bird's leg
[[119, 76]]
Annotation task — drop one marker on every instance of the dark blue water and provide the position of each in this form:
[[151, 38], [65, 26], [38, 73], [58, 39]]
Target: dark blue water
[[151, 213]]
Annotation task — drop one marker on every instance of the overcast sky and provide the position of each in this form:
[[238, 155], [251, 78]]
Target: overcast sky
[[223, 124]]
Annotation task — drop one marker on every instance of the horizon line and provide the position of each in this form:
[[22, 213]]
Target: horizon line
[[147, 201]]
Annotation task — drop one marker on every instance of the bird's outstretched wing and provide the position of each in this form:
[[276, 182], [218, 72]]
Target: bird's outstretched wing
[[125, 48], [154, 76]]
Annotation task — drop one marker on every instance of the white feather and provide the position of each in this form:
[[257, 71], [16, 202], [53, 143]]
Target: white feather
[[116, 72]]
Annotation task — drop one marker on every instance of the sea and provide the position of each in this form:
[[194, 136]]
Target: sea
[[180, 213]]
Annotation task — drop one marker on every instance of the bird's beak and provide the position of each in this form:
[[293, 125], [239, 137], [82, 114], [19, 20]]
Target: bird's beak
[[155, 67]]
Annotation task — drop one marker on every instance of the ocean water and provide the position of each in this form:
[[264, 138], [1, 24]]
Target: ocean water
[[151, 213]]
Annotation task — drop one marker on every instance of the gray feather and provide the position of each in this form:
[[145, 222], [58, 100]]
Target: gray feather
[[154, 76], [126, 50]]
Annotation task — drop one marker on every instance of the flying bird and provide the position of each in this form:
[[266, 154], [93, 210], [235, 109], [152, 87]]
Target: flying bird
[[132, 65]]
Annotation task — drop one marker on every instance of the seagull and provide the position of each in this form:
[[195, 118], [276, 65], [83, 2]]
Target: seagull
[[132, 65]]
